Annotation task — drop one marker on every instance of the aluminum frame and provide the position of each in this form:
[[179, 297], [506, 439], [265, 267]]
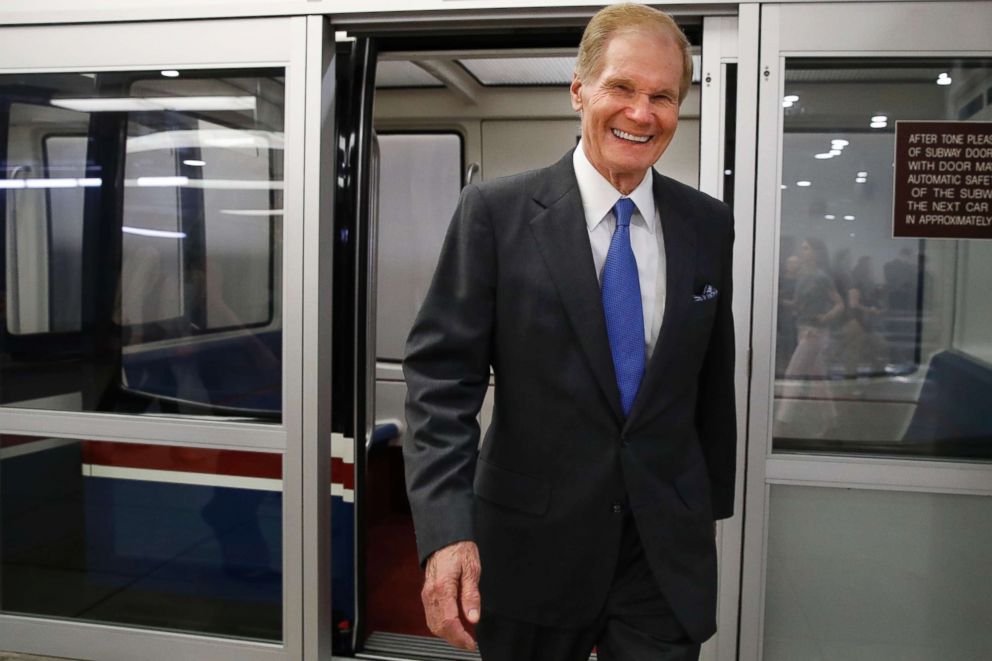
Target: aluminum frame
[[731, 40]]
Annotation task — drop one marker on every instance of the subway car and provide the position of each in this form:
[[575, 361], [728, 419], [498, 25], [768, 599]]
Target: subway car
[[220, 219]]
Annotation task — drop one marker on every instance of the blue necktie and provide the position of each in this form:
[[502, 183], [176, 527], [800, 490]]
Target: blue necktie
[[622, 307]]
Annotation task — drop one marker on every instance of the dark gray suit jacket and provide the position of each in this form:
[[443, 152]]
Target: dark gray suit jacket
[[516, 289]]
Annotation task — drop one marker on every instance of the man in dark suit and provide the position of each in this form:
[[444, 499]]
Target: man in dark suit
[[599, 292]]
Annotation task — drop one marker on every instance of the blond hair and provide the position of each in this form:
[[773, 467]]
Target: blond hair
[[612, 19]]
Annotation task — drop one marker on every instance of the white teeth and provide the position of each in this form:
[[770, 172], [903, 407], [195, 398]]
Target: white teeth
[[631, 136]]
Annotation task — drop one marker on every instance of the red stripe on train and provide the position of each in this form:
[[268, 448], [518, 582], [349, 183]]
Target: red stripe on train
[[198, 460]]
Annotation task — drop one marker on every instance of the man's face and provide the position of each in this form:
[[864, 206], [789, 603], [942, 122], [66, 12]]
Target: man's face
[[630, 110]]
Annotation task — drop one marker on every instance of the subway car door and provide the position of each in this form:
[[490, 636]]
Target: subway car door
[[870, 516]]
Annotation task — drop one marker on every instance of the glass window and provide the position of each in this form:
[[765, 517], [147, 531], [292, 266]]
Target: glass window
[[419, 185], [879, 575], [142, 535], [882, 344], [142, 220]]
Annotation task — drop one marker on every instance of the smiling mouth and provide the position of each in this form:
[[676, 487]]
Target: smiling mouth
[[630, 137]]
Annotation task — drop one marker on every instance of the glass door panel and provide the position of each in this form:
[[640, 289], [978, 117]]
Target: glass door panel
[[881, 342], [869, 483]]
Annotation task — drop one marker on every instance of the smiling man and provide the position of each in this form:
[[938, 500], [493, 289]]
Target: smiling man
[[599, 292]]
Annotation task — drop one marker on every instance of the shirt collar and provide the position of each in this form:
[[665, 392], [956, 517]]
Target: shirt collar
[[599, 195]]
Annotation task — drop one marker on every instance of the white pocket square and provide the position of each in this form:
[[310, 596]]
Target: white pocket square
[[709, 292]]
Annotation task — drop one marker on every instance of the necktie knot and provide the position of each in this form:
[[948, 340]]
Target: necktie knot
[[623, 210]]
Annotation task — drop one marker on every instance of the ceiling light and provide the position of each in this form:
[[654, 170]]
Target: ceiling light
[[790, 98], [862, 174], [830, 216], [860, 180], [788, 104], [943, 79], [804, 184], [839, 143], [783, 186], [170, 73], [728, 172], [878, 125], [879, 118], [834, 152], [824, 155], [848, 217], [192, 162]]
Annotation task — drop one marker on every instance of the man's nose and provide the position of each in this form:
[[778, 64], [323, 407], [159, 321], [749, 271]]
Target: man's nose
[[639, 109]]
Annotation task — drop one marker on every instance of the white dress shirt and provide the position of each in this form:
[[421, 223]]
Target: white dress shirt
[[646, 239]]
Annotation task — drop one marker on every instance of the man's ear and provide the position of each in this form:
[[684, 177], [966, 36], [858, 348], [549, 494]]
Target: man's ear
[[575, 93]]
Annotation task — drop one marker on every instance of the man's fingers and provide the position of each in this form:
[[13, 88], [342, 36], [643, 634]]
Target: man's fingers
[[451, 589], [441, 608], [471, 601]]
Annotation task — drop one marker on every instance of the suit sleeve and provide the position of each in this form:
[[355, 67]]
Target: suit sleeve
[[447, 373], [716, 417]]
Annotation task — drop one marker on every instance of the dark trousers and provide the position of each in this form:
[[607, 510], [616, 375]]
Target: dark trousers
[[636, 623]]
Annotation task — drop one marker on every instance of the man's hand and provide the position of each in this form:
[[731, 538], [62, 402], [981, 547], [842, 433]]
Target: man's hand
[[451, 593]]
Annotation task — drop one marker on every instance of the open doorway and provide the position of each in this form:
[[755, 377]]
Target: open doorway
[[444, 119]]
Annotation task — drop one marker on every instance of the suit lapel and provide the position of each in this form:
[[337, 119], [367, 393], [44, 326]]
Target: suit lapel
[[563, 241], [680, 257]]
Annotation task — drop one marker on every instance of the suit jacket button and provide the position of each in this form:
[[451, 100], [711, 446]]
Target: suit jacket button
[[617, 508]]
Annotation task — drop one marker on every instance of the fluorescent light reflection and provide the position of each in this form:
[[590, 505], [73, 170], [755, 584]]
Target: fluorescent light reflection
[[878, 125], [170, 73], [51, 183], [862, 174], [839, 143], [848, 217], [944, 79], [804, 184], [87, 182], [824, 155], [860, 180], [879, 118], [161, 182], [830, 216], [177, 103], [215, 184], [158, 234], [192, 162], [252, 212]]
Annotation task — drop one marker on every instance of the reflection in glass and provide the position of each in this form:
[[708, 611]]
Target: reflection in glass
[[883, 345], [165, 537], [143, 242]]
